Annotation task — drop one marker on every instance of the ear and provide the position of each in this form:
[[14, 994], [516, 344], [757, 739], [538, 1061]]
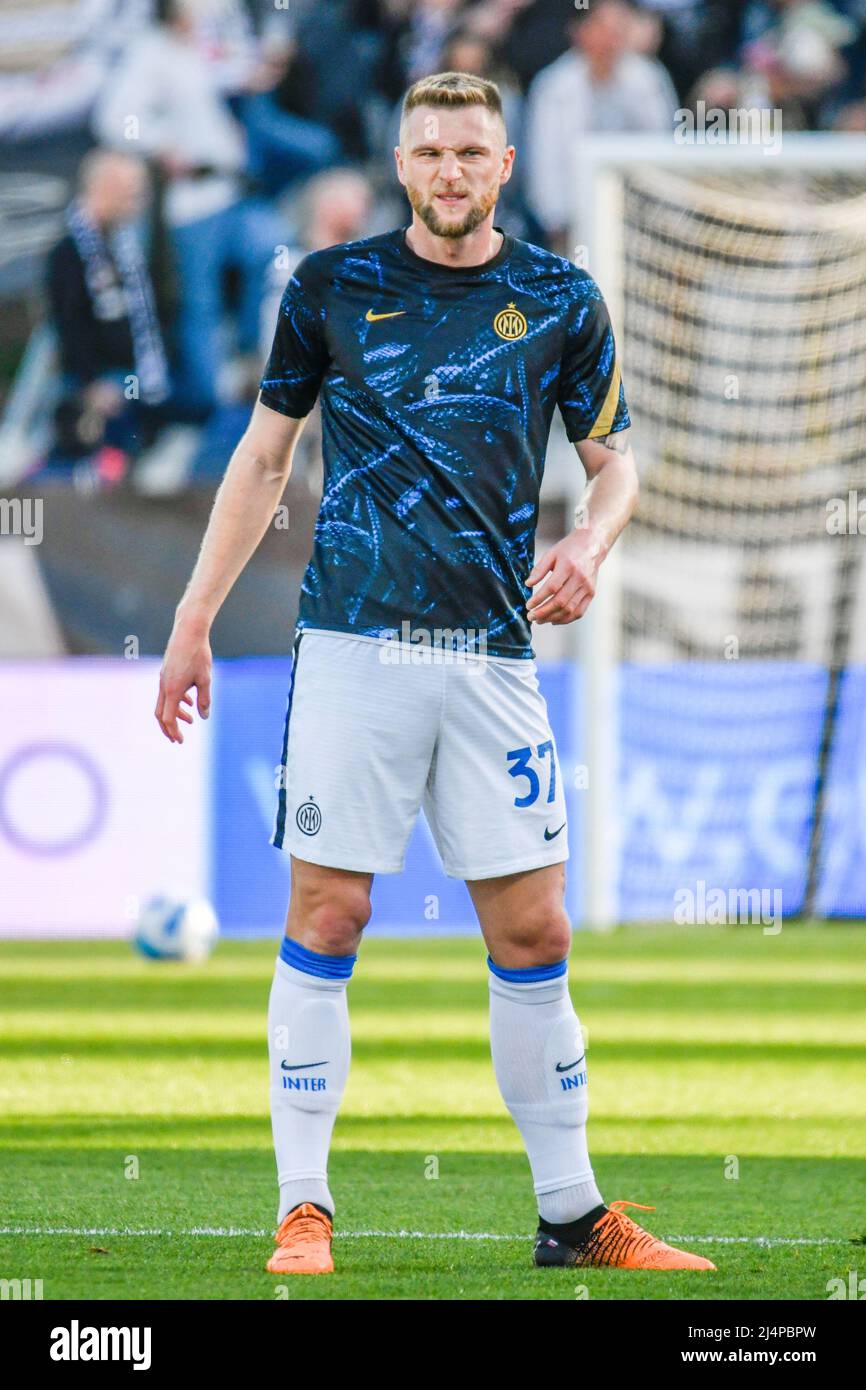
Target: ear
[[401, 172]]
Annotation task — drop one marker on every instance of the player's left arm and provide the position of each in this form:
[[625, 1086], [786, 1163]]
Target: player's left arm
[[570, 569]]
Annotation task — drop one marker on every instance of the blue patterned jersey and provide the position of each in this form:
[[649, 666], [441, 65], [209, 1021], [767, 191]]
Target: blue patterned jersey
[[438, 387]]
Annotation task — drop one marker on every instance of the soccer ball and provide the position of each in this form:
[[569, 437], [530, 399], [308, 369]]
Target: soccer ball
[[171, 930]]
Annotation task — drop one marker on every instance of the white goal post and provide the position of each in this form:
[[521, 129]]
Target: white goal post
[[729, 176]]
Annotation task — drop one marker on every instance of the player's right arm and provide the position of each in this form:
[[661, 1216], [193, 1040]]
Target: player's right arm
[[242, 511]]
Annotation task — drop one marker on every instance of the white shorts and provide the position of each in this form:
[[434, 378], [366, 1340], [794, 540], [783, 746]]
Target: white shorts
[[376, 730]]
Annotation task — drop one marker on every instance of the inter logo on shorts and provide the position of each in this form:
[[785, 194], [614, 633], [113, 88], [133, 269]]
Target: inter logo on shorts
[[510, 323], [309, 817]]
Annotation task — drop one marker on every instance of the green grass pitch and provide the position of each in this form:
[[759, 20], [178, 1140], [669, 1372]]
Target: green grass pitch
[[727, 1089]]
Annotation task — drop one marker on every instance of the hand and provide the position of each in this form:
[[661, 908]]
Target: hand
[[572, 569], [187, 663]]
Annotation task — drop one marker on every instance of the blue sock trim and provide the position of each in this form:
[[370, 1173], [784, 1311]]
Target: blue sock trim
[[312, 963], [531, 975]]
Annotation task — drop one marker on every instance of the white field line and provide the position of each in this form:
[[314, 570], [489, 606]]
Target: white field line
[[763, 1241]]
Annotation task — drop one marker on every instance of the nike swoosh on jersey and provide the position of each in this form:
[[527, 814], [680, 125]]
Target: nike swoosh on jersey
[[374, 318]]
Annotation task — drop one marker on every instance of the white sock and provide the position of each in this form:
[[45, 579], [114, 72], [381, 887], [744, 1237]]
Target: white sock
[[309, 1048], [540, 1064]]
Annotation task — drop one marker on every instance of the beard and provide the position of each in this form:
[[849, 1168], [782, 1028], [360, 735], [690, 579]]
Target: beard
[[473, 217]]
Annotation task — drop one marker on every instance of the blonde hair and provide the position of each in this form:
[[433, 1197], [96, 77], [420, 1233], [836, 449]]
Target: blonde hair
[[452, 89]]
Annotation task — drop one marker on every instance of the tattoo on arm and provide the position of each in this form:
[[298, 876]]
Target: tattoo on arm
[[618, 442]]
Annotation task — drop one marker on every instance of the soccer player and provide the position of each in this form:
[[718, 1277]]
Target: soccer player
[[439, 352]]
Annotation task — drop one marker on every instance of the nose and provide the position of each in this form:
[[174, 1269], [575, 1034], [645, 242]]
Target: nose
[[450, 167]]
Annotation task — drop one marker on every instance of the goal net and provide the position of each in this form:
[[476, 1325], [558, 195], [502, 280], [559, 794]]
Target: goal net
[[724, 681]]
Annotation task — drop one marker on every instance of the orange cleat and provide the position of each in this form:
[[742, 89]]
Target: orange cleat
[[303, 1243], [616, 1242]]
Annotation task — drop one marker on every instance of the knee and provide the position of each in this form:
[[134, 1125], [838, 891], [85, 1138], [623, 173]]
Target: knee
[[542, 936], [331, 923]]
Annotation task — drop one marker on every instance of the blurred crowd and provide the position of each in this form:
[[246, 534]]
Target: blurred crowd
[[230, 137]]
